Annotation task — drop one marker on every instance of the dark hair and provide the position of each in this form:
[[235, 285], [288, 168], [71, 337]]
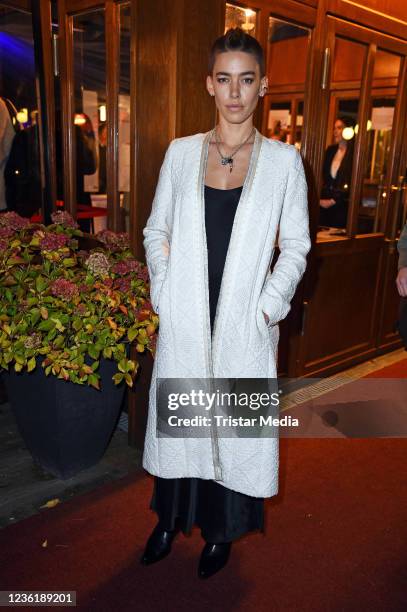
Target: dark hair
[[235, 39], [346, 120]]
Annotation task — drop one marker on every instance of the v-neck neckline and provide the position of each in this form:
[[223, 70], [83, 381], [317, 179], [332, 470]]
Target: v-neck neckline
[[212, 339]]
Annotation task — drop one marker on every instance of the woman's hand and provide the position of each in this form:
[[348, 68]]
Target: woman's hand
[[401, 282], [327, 203]]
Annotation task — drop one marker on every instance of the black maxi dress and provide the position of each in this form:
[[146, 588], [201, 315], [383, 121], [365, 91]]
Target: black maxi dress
[[222, 514]]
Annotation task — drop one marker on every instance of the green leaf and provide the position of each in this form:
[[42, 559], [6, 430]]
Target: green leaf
[[69, 262], [93, 352], [107, 352], [132, 333], [35, 316], [128, 379], [93, 380], [122, 365], [31, 364], [46, 325], [95, 365], [118, 378], [77, 324], [40, 283]]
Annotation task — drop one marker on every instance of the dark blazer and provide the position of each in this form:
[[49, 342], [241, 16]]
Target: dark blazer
[[337, 188]]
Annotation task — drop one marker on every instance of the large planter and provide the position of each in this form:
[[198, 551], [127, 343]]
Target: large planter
[[66, 427]]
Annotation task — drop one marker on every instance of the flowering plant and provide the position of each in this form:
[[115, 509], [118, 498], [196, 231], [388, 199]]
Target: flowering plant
[[68, 305]]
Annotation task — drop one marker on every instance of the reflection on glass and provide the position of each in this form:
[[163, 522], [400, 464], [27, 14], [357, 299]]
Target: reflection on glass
[[90, 111], [287, 53], [20, 170], [378, 142], [238, 17], [124, 113], [337, 167], [279, 121], [347, 71], [286, 70], [349, 58], [299, 118]]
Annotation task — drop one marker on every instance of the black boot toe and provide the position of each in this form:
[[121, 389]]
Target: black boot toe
[[213, 558], [158, 545]]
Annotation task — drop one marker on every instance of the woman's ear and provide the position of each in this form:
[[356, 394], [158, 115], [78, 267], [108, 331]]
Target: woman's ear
[[264, 86], [209, 85]]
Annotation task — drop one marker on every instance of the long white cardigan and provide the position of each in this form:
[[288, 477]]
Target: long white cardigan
[[274, 199]]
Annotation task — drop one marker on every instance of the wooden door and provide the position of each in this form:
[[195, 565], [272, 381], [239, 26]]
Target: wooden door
[[350, 302]]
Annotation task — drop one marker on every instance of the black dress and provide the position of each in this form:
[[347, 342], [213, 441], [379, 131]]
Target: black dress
[[222, 514], [337, 188]]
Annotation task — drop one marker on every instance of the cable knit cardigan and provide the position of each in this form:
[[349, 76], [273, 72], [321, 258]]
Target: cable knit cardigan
[[243, 345]]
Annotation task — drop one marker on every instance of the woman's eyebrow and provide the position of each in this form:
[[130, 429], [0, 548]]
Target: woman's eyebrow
[[240, 74]]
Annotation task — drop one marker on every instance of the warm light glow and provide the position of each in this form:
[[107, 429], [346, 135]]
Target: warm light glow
[[79, 119], [247, 26], [22, 115], [348, 133], [249, 13], [368, 126], [102, 113]]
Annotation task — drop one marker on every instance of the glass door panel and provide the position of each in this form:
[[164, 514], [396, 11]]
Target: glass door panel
[[375, 194], [239, 17], [124, 114], [89, 83], [342, 132], [20, 160], [287, 55]]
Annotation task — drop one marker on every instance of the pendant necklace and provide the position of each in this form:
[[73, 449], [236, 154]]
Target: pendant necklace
[[228, 159]]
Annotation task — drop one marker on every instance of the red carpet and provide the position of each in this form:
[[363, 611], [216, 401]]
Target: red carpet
[[336, 540]]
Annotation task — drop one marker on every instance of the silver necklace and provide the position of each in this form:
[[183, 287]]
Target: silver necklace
[[228, 159]]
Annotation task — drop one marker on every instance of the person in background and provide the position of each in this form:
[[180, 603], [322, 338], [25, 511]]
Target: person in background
[[7, 133], [86, 163], [102, 157], [401, 284], [336, 177], [22, 173]]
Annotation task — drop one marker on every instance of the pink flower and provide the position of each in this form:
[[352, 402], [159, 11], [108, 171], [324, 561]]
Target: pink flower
[[113, 240], [53, 241], [123, 284], [64, 289], [98, 264], [61, 217], [125, 266], [6, 232], [13, 221]]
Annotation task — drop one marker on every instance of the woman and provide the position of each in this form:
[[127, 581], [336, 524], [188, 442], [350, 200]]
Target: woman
[[218, 303], [336, 176]]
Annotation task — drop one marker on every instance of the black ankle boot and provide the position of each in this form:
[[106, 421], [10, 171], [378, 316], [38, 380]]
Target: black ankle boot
[[213, 558], [158, 545]]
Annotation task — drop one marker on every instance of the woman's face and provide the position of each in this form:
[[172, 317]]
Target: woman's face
[[236, 84], [338, 129]]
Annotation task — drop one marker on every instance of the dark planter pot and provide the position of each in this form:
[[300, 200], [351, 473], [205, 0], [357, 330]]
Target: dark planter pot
[[66, 427]]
